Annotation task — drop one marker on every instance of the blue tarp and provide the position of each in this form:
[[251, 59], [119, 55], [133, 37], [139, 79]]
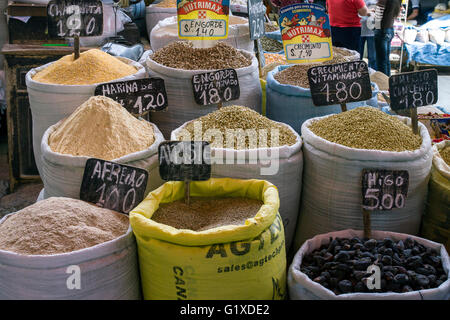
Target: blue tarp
[[431, 53], [442, 22]]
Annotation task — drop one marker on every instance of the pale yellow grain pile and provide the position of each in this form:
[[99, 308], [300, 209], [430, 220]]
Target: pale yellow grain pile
[[101, 128], [93, 66], [367, 128], [59, 225]]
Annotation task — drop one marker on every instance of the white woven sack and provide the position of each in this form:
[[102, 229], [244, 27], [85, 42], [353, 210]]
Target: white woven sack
[[437, 36], [409, 35], [154, 14], [332, 198], [286, 160], [50, 103], [423, 36], [438, 161], [166, 31], [181, 104], [302, 288], [353, 54], [62, 174], [108, 271]]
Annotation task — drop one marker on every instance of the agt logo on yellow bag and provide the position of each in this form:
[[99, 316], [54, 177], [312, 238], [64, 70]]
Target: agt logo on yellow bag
[[203, 19], [306, 35]]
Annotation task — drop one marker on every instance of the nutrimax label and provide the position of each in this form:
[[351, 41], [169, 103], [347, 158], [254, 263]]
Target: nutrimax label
[[306, 35], [203, 19]]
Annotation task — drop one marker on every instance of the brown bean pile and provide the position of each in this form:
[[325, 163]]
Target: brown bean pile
[[182, 55], [405, 265], [206, 213], [367, 128], [297, 75]]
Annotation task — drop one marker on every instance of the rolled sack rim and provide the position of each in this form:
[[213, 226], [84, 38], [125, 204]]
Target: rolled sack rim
[[54, 261], [80, 161], [145, 229], [77, 89], [153, 8], [291, 90], [345, 152], [187, 74], [298, 277], [438, 162], [282, 152]]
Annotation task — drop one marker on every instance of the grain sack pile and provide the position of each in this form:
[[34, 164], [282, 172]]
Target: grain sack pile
[[231, 238], [67, 232], [336, 150], [99, 128], [268, 150], [436, 222], [179, 61], [93, 66], [288, 87], [56, 89]]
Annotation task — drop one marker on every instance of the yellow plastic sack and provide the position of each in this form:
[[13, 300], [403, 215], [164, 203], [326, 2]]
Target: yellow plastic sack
[[436, 221], [223, 263]]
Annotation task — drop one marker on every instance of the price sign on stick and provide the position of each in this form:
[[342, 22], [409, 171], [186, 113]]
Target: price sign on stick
[[185, 161], [256, 18], [306, 35], [112, 185], [256, 23], [340, 83], [216, 87], [67, 18], [137, 96], [203, 19], [383, 190], [410, 90]]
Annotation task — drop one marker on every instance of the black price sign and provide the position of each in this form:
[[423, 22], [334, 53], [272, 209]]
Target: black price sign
[[413, 89], [215, 87], [340, 83], [67, 18], [112, 185], [384, 189], [256, 15], [185, 161], [137, 96]]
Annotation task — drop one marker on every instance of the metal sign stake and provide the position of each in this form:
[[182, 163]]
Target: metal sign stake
[[76, 47]]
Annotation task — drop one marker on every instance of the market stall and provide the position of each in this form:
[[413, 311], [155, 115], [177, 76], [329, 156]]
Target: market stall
[[233, 158]]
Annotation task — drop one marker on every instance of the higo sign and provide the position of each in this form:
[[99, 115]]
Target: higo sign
[[306, 35]]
